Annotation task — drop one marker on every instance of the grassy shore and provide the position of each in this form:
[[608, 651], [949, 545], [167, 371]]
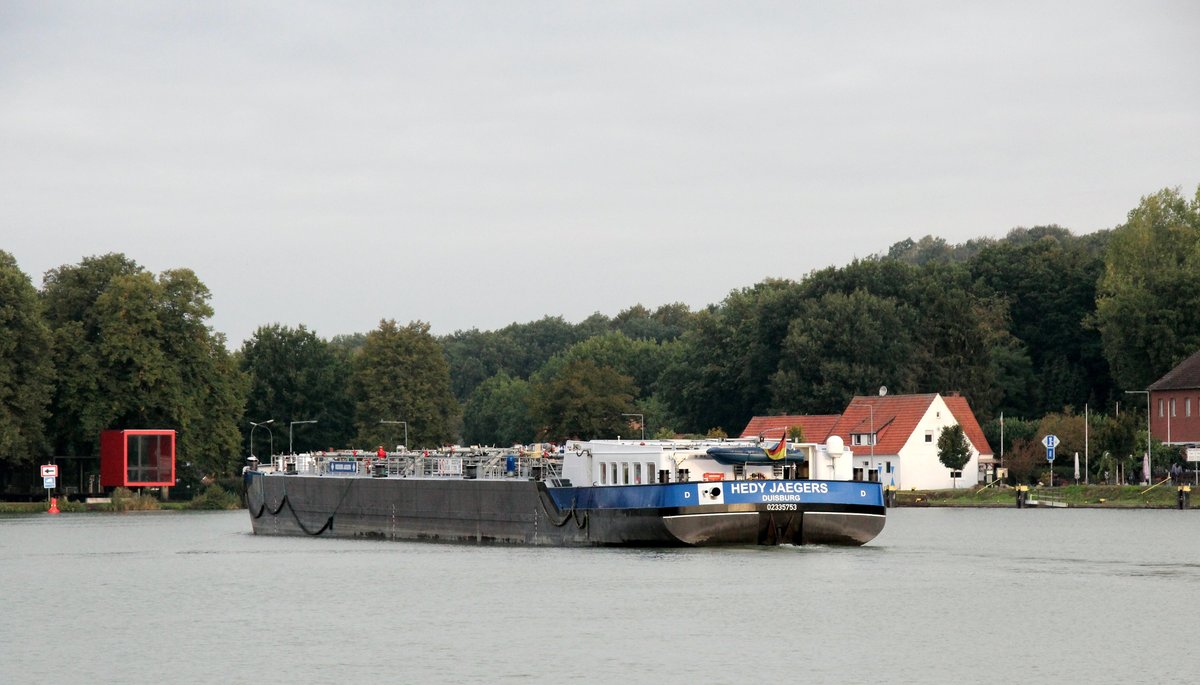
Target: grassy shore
[[74, 507], [213, 497], [1105, 496]]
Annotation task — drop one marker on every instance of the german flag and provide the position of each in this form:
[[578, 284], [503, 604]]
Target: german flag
[[779, 451]]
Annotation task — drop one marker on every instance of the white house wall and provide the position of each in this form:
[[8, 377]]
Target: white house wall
[[919, 459]]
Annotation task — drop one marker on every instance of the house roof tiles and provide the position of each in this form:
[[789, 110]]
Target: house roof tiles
[[816, 427], [893, 419], [970, 424]]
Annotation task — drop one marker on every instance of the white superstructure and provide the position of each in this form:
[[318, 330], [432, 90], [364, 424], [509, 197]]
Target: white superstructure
[[634, 462]]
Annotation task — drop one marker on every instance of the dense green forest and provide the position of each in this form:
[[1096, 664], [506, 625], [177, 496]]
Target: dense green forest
[[1034, 326]]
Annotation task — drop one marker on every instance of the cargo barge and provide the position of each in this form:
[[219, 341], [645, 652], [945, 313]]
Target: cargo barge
[[595, 493]]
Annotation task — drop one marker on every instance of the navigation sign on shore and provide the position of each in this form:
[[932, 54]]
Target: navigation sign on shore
[[1051, 442], [49, 470], [48, 482]]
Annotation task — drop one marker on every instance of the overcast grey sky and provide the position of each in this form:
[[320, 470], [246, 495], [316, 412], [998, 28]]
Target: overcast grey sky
[[474, 164]]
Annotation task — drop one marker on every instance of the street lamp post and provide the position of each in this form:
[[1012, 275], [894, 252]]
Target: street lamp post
[[405, 424], [290, 433], [641, 423], [1147, 394], [264, 425]]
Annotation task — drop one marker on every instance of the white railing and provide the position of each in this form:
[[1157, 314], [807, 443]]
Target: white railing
[[478, 463]]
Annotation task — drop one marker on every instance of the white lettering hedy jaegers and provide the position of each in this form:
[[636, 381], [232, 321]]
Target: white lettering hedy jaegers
[[782, 487]]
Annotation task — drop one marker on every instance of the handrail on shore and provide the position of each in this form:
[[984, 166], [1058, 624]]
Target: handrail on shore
[[994, 481], [1156, 485]]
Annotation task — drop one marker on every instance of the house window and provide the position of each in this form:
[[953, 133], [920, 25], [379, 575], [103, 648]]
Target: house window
[[1187, 407], [1173, 414], [1161, 410], [889, 467], [928, 436]]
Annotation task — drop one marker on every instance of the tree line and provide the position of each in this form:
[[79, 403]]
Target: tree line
[[1033, 326]]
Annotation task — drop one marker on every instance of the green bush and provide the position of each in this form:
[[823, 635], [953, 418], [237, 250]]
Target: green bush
[[40, 506], [124, 499], [233, 484], [66, 505], [215, 497]]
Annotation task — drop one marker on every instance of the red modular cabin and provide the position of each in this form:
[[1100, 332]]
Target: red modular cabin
[[137, 458]]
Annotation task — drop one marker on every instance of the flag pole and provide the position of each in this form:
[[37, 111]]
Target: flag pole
[[1001, 439], [1085, 443]]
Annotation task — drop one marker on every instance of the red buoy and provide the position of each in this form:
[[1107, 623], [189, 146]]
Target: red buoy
[[53, 506]]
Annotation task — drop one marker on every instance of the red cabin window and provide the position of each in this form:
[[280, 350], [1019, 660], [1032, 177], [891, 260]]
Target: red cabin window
[[137, 458]]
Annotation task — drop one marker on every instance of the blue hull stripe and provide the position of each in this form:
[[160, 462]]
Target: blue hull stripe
[[674, 495]]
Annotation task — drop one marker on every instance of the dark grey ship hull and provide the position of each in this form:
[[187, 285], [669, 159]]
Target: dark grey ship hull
[[524, 512]]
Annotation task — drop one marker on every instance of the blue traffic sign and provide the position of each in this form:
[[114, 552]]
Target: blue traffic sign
[[1049, 454], [1050, 441]]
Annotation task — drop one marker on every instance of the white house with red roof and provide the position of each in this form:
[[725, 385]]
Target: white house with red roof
[[893, 438]]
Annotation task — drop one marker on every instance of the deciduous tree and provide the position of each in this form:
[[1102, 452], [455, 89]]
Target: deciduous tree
[[1047, 279], [580, 399], [1149, 294], [135, 351], [498, 412], [401, 374], [295, 375], [842, 344], [953, 450], [26, 369]]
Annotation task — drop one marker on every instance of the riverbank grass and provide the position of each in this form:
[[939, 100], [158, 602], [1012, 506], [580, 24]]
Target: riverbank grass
[[1164, 496], [214, 497]]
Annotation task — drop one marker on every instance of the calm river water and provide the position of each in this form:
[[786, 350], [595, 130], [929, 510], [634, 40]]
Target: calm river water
[[942, 596]]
